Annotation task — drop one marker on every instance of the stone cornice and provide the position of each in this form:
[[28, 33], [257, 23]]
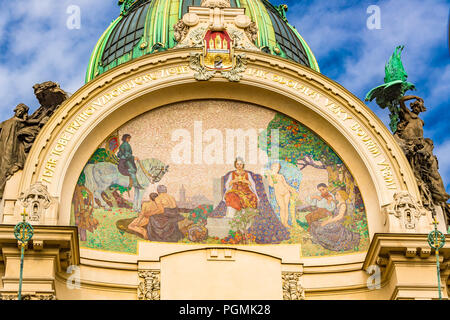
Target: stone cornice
[[46, 238], [409, 246]]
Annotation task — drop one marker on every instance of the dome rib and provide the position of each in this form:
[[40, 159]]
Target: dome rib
[[125, 37], [95, 61], [147, 27]]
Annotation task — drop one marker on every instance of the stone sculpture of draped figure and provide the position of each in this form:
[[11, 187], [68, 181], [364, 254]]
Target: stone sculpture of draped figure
[[18, 133]]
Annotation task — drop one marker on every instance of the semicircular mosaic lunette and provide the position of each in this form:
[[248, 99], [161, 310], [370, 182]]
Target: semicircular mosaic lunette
[[218, 172]]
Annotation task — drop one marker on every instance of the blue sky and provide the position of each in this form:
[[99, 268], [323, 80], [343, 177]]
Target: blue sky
[[36, 46]]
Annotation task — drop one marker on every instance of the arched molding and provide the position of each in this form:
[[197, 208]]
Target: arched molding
[[299, 92]]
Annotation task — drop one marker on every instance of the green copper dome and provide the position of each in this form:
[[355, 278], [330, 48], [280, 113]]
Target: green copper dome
[[146, 26]]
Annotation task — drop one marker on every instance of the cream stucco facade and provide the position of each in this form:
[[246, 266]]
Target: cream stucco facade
[[180, 271]]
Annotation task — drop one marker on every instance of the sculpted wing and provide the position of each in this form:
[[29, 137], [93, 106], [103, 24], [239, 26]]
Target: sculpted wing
[[395, 84], [394, 69]]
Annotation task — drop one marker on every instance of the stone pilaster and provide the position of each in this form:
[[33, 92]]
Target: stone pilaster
[[292, 287], [149, 285]]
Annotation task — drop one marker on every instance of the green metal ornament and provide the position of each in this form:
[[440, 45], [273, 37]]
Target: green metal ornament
[[125, 6], [436, 240], [23, 232], [282, 10], [395, 86]]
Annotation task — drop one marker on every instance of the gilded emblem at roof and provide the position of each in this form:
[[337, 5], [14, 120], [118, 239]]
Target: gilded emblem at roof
[[151, 26], [218, 33]]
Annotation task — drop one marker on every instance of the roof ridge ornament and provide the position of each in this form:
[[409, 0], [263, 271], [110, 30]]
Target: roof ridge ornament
[[125, 6], [282, 10], [216, 3], [219, 30], [189, 32]]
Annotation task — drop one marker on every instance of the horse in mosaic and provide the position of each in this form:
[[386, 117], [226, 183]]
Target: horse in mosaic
[[103, 175]]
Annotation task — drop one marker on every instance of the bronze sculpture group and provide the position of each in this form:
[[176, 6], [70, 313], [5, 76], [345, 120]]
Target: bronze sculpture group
[[407, 128]]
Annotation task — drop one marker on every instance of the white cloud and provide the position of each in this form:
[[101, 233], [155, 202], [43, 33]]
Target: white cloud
[[441, 84], [37, 46], [330, 29]]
